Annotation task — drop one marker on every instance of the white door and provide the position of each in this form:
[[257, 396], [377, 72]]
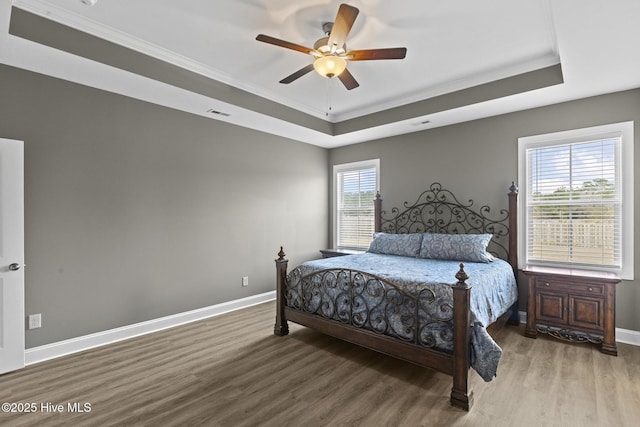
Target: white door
[[12, 319]]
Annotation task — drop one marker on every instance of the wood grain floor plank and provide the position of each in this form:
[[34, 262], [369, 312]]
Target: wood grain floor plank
[[231, 370]]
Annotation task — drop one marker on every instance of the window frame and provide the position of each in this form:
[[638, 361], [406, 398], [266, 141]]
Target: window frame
[[624, 130], [349, 167]]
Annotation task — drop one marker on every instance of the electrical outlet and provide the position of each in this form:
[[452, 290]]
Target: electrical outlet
[[35, 321], [245, 281]]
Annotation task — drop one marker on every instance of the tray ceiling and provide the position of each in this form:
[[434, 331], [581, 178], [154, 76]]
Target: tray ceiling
[[465, 59]]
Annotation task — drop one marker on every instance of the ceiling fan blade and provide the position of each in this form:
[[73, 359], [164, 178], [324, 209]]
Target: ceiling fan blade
[[342, 25], [373, 54], [348, 80], [284, 43], [301, 72]]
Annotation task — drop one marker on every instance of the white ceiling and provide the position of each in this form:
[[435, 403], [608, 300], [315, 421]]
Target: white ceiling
[[451, 46]]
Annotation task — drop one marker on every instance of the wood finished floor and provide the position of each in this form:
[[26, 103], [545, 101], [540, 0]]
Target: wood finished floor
[[231, 370]]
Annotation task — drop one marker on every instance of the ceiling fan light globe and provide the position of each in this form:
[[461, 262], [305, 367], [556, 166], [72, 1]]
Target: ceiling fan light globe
[[329, 66]]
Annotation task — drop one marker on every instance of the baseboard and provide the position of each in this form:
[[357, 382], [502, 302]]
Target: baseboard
[[628, 336], [75, 345], [523, 316], [625, 336]]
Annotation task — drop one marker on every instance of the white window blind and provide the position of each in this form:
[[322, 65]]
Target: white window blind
[[356, 186], [574, 204]]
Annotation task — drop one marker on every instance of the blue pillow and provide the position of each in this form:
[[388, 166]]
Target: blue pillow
[[396, 244], [457, 247]]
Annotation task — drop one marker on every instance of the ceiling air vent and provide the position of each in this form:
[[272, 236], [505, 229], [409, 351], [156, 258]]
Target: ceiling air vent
[[220, 113]]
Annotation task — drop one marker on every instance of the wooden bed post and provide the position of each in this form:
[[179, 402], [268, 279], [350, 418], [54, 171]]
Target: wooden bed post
[[282, 327], [514, 319], [513, 227], [461, 396], [377, 213]]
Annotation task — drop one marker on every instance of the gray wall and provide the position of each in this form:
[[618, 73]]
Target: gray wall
[[479, 159], [135, 211]]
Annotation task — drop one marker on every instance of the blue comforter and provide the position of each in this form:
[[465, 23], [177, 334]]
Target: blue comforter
[[493, 291]]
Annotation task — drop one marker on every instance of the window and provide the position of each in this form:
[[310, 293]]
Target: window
[[355, 187], [577, 199]]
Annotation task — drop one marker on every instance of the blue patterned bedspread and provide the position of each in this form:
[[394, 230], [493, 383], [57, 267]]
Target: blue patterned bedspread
[[493, 291]]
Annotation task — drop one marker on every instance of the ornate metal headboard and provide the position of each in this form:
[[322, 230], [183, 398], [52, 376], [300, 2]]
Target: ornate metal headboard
[[438, 211]]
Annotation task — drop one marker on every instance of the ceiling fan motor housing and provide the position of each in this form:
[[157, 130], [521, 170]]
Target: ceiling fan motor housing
[[322, 45]]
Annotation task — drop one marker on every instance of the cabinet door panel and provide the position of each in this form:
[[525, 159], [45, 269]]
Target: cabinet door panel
[[586, 312], [551, 308]]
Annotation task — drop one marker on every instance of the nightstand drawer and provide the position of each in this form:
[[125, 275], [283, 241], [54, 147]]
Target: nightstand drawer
[[558, 285]]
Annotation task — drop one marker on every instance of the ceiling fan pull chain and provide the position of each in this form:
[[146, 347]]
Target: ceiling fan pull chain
[[328, 97]]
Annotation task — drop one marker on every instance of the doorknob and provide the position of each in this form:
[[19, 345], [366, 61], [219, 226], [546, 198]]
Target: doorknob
[[14, 267]]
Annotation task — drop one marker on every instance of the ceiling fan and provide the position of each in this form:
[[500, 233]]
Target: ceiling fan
[[331, 53]]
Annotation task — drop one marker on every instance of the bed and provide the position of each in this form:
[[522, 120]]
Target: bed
[[437, 277]]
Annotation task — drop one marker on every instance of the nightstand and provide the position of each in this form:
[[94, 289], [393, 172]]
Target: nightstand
[[572, 305], [329, 253]]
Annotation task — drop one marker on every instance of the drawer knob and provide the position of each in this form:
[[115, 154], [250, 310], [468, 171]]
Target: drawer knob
[[547, 284], [590, 289]]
